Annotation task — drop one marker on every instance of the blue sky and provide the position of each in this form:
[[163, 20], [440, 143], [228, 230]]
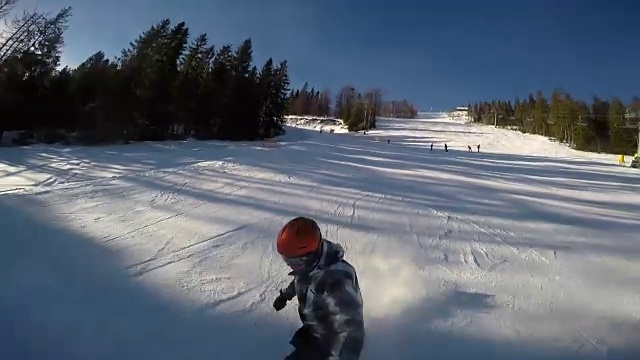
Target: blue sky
[[434, 53]]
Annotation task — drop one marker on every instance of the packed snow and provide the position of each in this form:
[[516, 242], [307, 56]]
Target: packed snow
[[524, 250]]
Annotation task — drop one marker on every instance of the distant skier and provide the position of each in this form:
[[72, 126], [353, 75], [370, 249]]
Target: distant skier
[[478, 147], [431, 146], [329, 299], [469, 146], [446, 148]]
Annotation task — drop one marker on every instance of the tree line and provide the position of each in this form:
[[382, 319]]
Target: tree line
[[601, 125], [167, 84], [357, 109], [163, 86]]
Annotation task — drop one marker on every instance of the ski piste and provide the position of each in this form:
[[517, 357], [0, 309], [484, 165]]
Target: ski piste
[[525, 250]]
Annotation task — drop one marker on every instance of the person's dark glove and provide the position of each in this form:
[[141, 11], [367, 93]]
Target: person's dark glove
[[280, 302], [301, 338]]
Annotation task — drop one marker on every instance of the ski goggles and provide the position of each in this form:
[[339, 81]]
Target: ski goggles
[[301, 262]]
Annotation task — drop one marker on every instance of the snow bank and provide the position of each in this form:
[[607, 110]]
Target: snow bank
[[326, 124]]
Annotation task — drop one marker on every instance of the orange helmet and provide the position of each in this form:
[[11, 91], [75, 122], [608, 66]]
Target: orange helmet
[[300, 236]]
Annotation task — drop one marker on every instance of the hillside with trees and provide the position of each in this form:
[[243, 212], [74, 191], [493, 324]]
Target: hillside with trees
[[601, 125], [357, 109], [167, 84]]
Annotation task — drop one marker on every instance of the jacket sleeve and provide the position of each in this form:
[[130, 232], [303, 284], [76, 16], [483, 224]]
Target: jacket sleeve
[[337, 311], [290, 291]]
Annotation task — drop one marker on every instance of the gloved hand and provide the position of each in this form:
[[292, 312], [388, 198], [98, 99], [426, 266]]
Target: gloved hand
[[280, 302]]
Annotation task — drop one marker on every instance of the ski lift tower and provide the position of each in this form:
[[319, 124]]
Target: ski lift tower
[[633, 122], [638, 149]]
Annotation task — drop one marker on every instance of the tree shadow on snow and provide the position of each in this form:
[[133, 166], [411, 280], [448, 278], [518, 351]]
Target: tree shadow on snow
[[477, 188], [65, 297], [469, 187], [443, 328], [81, 163]]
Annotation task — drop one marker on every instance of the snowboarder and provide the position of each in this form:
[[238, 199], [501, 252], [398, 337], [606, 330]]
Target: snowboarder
[[431, 146], [469, 147], [478, 147], [446, 148], [329, 299]]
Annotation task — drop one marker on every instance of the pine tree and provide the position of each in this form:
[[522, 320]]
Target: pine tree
[[279, 100]]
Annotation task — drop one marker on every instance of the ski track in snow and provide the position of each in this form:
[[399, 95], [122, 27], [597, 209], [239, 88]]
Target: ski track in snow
[[165, 250]]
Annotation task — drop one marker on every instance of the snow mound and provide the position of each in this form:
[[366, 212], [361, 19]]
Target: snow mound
[[326, 124]]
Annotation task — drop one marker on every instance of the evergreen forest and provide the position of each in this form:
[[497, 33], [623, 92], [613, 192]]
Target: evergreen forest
[[600, 125], [167, 84]]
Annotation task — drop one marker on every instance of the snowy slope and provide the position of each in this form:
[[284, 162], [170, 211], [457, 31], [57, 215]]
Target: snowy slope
[[526, 250]]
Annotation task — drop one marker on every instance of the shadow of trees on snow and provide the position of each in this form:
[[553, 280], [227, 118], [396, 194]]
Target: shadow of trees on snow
[[66, 296]]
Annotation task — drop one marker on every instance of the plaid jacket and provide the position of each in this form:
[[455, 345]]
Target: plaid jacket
[[330, 304]]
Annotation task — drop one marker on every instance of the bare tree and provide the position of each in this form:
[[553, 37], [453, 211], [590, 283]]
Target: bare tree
[[24, 32], [21, 34], [6, 6], [402, 109], [373, 103]]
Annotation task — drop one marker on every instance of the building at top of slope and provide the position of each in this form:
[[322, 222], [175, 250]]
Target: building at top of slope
[[460, 112]]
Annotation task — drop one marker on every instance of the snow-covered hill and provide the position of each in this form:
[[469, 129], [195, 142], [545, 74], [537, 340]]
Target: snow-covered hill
[[525, 250]]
